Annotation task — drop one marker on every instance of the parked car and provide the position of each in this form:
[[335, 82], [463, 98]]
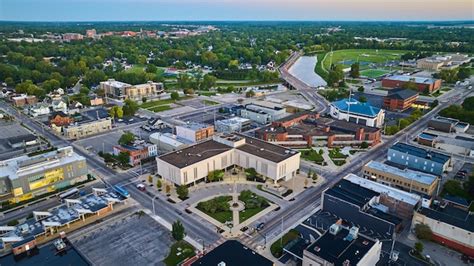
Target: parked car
[[260, 226]]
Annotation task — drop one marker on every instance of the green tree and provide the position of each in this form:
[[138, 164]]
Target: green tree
[[159, 184], [130, 108], [464, 73], [126, 139], [355, 70], [215, 175], [335, 75], [177, 231], [150, 179], [423, 231], [364, 145], [418, 247], [208, 82], [150, 68], [362, 99], [116, 112], [123, 158], [403, 123], [184, 81], [174, 95], [468, 104], [360, 89], [182, 191]]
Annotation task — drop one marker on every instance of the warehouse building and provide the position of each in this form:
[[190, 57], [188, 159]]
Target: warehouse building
[[263, 112], [193, 164], [194, 132]]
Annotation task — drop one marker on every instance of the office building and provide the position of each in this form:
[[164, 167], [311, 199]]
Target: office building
[[306, 129], [26, 177], [399, 99], [423, 84], [342, 246], [452, 225], [360, 113], [193, 164], [120, 90], [417, 158], [83, 129], [404, 179], [231, 125], [72, 36], [448, 125], [194, 132]]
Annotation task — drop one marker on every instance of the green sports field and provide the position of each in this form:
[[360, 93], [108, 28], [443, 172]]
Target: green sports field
[[364, 56], [373, 73]]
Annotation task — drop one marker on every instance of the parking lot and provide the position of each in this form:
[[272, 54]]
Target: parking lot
[[133, 240], [10, 130], [103, 143]]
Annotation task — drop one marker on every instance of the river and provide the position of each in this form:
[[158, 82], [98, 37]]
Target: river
[[303, 69]]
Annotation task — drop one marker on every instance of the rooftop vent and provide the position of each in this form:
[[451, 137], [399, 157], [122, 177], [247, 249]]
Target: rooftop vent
[[334, 229], [317, 249], [346, 263]]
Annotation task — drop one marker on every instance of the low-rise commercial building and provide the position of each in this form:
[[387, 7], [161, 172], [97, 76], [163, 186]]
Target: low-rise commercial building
[[79, 130], [427, 85], [122, 91], [399, 99], [137, 152], [234, 124], [263, 112], [354, 111], [397, 201], [404, 179], [194, 132], [309, 129], [28, 176], [343, 246], [361, 206], [448, 125], [193, 164], [22, 100], [417, 158], [451, 225], [167, 142]]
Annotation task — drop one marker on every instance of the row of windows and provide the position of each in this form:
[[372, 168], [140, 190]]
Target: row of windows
[[397, 182]]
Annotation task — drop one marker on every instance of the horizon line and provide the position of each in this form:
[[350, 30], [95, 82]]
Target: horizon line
[[235, 20]]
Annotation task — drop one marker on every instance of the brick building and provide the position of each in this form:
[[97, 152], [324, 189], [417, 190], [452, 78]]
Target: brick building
[[423, 84], [308, 129], [399, 99], [23, 100]]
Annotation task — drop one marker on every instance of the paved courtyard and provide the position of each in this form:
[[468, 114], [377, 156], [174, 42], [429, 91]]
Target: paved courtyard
[[133, 240]]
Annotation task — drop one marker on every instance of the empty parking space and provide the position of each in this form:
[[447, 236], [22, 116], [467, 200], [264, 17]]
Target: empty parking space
[[134, 240]]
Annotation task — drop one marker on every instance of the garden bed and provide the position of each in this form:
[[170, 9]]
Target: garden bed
[[218, 208]]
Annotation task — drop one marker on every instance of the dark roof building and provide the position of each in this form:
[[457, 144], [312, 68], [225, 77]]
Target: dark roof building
[[451, 223], [342, 246], [400, 99], [232, 253]]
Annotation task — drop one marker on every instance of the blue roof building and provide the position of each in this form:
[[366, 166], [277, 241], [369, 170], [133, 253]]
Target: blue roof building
[[354, 111], [417, 158]]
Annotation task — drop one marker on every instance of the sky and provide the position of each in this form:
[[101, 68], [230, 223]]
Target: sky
[[159, 10]]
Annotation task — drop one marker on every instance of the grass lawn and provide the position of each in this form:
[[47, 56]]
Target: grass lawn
[[150, 103], [338, 162], [253, 204], [365, 56], [336, 154], [312, 155], [445, 89], [373, 73], [185, 251], [277, 247], [207, 93], [208, 102], [247, 213], [141, 68], [160, 108], [220, 214]]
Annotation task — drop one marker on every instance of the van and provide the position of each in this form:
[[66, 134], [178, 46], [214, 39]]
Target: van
[[141, 187]]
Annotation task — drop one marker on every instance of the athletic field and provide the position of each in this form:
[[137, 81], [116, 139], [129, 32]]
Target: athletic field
[[373, 73], [365, 57]]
